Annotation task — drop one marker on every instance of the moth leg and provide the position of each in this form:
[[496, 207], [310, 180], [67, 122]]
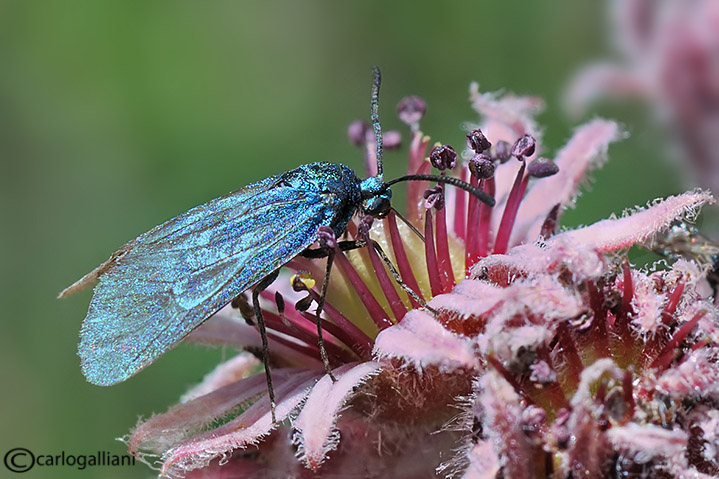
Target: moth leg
[[327, 250], [329, 253], [398, 278], [256, 291], [320, 306], [318, 253]]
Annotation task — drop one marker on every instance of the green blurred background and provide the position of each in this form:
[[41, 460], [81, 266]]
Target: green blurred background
[[115, 116]]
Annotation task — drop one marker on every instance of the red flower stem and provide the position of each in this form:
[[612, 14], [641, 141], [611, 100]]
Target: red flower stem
[[510, 211], [308, 334], [672, 304], [485, 219], [356, 338], [573, 362], [445, 262], [628, 393], [405, 269], [435, 282], [509, 378], [628, 290], [555, 397], [299, 263], [460, 206], [700, 344], [378, 315], [352, 229], [666, 356], [335, 331], [273, 329], [305, 349], [417, 150], [653, 345], [472, 240], [598, 337], [387, 285], [625, 347], [417, 165]]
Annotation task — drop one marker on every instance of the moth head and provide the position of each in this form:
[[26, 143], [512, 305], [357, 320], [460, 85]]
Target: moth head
[[376, 197]]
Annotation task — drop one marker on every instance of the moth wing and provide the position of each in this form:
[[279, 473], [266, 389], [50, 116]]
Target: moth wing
[[165, 283]]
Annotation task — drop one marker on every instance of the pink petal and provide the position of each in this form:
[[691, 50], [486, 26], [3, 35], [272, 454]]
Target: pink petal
[[506, 117], [421, 339], [536, 259], [227, 328], [247, 428], [590, 449], [647, 304], [317, 434], [647, 443], [585, 151], [469, 298], [506, 344], [273, 459], [697, 375], [600, 80], [540, 300], [483, 462], [638, 227], [164, 430], [580, 249], [502, 411], [231, 371]]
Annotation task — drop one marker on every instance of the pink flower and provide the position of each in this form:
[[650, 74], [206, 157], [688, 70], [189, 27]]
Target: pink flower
[[669, 56], [540, 354]]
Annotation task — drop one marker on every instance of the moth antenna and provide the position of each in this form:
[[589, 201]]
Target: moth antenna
[[450, 180], [409, 225], [374, 116]]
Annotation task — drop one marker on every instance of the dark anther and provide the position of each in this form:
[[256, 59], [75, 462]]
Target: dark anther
[[236, 303], [364, 226], [524, 146], [241, 304], [502, 151], [541, 168], [280, 302], [357, 132], [533, 421], [326, 238], [542, 373], [392, 140], [443, 157], [411, 109], [549, 227], [560, 430], [434, 197], [304, 304], [477, 141], [302, 281], [481, 166]]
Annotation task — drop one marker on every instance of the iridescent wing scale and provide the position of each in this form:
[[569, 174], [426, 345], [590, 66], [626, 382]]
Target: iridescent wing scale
[[162, 285]]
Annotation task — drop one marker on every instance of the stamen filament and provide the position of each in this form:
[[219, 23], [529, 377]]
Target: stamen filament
[[435, 281], [395, 303], [405, 269], [510, 211], [378, 315]]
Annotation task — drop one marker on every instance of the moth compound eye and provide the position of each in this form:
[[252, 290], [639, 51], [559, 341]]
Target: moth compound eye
[[378, 207]]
